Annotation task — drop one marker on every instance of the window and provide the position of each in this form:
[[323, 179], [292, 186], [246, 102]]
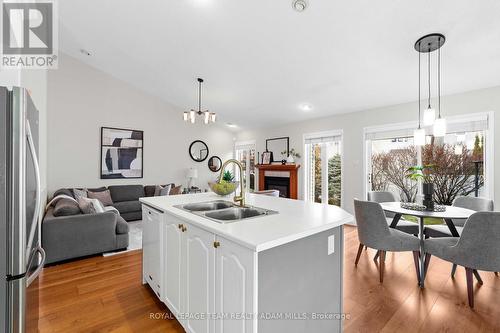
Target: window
[[323, 164], [463, 160], [245, 153]]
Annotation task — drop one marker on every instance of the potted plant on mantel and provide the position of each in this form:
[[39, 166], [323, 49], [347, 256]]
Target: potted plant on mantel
[[424, 172], [292, 155]]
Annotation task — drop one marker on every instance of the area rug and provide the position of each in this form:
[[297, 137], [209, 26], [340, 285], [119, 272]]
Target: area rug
[[134, 238]]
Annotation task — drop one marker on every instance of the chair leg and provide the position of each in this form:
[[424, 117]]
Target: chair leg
[[382, 264], [453, 270], [426, 263], [478, 277], [496, 273], [416, 256], [377, 254], [366, 247], [360, 248], [470, 290]]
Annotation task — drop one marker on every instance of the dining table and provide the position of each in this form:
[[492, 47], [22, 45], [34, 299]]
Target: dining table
[[448, 215]]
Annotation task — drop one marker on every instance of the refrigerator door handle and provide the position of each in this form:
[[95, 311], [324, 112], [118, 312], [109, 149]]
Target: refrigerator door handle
[[32, 277], [36, 213]]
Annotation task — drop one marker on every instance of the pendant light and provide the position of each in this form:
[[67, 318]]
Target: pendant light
[[427, 44], [208, 117], [419, 133], [440, 123]]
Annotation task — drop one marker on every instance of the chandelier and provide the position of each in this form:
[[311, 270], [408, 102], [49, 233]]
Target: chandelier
[[208, 117]]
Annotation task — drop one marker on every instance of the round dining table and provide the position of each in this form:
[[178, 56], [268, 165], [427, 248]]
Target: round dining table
[[448, 215]]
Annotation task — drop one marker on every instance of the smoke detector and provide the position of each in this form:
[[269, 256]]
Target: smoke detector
[[299, 5]]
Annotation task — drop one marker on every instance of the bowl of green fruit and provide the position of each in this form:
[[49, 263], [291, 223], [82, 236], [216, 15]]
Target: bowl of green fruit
[[225, 186]]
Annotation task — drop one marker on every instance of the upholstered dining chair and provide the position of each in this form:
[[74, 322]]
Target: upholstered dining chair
[[478, 248], [374, 232], [442, 230], [472, 203], [384, 196]]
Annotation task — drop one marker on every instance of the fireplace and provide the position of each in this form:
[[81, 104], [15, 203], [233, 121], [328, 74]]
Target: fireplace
[[281, 184], [279, 177]]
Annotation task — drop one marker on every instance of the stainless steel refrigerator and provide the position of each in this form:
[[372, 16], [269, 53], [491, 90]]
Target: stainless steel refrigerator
[[21, 254]]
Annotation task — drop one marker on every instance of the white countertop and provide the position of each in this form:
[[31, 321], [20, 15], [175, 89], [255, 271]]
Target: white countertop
[[296, 219]]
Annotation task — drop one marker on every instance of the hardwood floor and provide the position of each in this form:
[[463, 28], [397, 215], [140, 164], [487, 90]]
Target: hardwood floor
[[105, 294]]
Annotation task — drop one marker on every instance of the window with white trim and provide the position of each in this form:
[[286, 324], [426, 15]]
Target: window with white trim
[[323, 167], [463, 158]]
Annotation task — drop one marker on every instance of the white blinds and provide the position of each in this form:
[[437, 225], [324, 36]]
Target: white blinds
[[471, 123], [323, 138]]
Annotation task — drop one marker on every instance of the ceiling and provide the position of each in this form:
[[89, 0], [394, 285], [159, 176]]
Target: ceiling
[[261, 59]]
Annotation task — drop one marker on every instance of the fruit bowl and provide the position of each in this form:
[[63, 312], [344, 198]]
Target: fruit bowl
[[224, 188]]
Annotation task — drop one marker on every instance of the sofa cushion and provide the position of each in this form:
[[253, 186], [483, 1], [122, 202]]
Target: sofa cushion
[[64, 191], [128, 206], [66, 207], [102, 196], [121, 226], [126, 192], [176, 190], [162, 190]]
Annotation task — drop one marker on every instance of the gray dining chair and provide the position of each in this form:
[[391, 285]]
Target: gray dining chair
[[385, 196], [472, 203], [374, 233], [478, 248]]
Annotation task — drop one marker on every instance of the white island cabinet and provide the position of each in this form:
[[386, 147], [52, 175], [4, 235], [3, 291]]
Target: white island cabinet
[[275, 273]]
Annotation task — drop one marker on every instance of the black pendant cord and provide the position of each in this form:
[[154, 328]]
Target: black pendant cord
[[429, 77], [199, 98], [419, 88], [439, 81]]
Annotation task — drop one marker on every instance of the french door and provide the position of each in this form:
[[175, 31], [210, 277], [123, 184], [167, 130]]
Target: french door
[[323, 169]]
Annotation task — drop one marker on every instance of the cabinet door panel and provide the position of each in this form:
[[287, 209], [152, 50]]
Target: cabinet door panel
[[200, 285], [172, 266], [234, 288]]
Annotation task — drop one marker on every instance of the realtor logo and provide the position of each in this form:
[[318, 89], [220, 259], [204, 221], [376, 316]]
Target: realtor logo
[[29, 34]]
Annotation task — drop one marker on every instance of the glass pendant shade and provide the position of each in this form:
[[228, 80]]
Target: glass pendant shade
[[419, 137], [429, 116], [213, 116], [192, 116], [185, 116], [439, 127], [206, 117]]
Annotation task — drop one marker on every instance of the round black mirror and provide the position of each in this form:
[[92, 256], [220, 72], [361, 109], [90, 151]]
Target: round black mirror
[[198, 150], [214, 163]]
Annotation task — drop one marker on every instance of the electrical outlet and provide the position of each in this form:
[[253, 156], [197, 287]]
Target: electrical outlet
[[331, 244]]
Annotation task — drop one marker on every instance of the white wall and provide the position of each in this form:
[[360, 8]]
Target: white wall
[[82, 99], [484, 100]]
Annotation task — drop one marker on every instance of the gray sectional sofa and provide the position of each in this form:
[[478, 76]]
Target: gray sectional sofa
[[72, 234]]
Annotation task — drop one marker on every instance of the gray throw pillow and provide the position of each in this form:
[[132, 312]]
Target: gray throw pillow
[[162, 190], [90, 206], [66, 207], [79, 194], [104, 197]]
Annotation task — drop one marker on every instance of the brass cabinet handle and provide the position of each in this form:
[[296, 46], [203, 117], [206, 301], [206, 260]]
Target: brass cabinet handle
[[181, 226], [216, 244], [184, 229]]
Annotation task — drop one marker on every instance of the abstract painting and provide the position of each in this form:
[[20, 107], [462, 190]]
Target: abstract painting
[[121, 153]]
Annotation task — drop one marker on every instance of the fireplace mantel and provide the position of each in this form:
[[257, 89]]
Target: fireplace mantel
[[289, 169]]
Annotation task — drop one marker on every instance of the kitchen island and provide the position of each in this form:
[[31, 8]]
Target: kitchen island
[[276, 272]]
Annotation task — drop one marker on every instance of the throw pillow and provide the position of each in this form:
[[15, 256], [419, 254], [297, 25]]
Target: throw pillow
[[79, 193], [104, 197], [176, 190], [90, 206], [66, 207], [162, 190]]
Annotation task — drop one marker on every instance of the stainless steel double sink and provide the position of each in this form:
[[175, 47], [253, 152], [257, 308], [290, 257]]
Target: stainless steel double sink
[[224, 211]]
